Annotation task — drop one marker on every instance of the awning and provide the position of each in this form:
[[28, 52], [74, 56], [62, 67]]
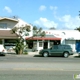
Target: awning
[[42, 38]]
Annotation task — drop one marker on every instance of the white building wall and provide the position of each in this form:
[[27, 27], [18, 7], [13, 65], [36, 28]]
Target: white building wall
[[72, 44], [48, 43], [67, 36], [40, 45]]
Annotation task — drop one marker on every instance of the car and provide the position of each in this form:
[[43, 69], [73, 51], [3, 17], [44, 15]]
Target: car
[[57, 50], [3, 51]]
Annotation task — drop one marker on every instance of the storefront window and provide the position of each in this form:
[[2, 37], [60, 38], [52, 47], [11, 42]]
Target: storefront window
[[51, 44], [35, 44], [3, 25], [10, 42], [40, 44]]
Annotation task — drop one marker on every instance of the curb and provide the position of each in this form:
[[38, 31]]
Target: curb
[[37, 53], [33, 53]]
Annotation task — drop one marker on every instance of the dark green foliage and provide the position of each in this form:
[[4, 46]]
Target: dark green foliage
[[43, 34], [25, 52], [34, 28], [38, 32], [78, 28], [19, 46]]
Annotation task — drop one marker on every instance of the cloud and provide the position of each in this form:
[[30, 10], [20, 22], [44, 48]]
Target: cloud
[[42, 8], [64, 22], [53, 7], [69, 22], [44, 22], [6, 8]]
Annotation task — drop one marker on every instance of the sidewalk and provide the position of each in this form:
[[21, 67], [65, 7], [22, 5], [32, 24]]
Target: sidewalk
[[23, 55], [33, 53], [75, 55], [37, 53]]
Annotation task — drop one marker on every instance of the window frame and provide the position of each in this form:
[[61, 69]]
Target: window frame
[[3, 25]]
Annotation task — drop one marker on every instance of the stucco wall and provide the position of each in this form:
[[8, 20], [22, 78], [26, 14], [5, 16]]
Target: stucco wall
[[10, 24], [72, 43]]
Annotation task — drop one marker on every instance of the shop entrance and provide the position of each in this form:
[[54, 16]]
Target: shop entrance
[[45, 45], [30, 44]]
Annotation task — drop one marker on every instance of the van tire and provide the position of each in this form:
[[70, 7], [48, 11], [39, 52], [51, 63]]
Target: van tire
[[66, 54], [45, 54]]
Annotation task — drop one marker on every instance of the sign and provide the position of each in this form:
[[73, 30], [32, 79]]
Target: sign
[[52, 33]]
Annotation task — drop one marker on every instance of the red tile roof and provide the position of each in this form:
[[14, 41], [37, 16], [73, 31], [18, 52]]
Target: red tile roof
[[42, 38]]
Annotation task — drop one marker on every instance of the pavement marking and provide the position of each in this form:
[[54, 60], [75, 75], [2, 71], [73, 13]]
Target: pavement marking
[[36, 69]]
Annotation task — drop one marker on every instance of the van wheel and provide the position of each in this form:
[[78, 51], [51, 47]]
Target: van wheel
[[66, 54], [45, 54]]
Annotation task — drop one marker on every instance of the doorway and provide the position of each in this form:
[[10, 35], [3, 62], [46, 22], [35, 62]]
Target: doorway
[[78, 46], [30, 44], [45, 45]]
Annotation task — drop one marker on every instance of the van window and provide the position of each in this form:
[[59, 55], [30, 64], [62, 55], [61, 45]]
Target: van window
[[67, 47], [55, 47]]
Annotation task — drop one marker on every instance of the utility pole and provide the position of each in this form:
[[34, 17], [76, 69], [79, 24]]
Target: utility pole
[[79, 14]]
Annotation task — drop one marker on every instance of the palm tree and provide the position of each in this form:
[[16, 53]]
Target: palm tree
[[38, 32]]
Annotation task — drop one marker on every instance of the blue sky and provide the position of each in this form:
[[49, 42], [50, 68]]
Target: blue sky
[[61, 14]]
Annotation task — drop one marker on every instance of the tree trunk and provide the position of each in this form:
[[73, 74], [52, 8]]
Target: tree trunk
[[21, 51]]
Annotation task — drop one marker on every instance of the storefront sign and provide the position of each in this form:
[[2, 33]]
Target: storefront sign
[[52, 33]]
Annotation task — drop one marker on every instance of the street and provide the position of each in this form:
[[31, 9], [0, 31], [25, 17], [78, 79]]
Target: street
[[19, 67], [36, 75]]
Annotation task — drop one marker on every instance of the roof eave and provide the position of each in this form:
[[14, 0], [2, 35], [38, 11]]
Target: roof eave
[[42, 38], [16, 20]]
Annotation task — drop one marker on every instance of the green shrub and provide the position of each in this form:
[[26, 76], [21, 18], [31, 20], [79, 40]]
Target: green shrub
[[25, 52]]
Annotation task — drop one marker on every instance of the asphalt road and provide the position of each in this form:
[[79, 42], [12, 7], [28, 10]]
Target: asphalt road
[[16, 67], [37, 75]]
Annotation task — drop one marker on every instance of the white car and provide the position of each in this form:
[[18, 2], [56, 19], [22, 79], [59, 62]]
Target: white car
[[3, 51]]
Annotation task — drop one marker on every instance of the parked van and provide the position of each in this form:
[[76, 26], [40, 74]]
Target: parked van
[[57, 50]]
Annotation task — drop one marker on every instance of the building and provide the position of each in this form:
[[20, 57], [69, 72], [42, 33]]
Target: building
[[55, 37], [6, 37]]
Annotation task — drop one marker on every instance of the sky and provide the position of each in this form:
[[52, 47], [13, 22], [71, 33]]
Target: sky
[[60, 14]]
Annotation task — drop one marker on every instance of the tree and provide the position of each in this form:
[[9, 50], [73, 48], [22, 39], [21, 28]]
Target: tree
[[78, 28], [20, 31], [38, 32], [14, 17], [52, 28], [23, 31]]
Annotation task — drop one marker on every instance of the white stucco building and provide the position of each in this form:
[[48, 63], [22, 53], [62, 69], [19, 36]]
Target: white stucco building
[[55, 37], [6, 37]]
